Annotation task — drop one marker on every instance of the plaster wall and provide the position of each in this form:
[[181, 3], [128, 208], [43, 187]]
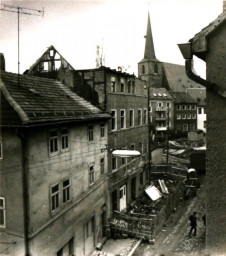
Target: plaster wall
[[216, 145], [11, 189]]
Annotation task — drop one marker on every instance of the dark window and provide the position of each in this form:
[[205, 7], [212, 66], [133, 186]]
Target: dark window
[[131, 117], [122, 87], [66, 190], [102, 165], [129, 86], [200, 111], [122, 113], [2, 212], [90, 133], [64, 139], [102, 130], [145, 116], [55, 199], [156, 69], [143, 69], [91, 174], [133, 87], [139, 117], [204, 110], [53, 141], [113, 120], [123, 161], [113, 163]]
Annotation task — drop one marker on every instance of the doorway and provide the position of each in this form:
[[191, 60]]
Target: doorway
[[122, 201]]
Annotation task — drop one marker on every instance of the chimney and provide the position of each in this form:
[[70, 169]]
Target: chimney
[[224, 5], [2, 62]]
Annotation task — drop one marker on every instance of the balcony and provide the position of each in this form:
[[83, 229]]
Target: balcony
[[125, 170], [161, 109]]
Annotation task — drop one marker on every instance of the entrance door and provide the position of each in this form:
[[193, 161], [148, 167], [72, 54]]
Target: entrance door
[[67, 249], [122, 201], [133, 188], [89, 236]]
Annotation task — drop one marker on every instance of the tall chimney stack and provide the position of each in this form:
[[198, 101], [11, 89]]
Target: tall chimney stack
[[2, 62]]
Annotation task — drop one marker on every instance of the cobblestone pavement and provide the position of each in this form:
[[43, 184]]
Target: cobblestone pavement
[[173, 240]]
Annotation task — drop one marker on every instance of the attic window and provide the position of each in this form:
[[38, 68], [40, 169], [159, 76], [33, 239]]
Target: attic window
[[160, 94], [51, 53], [46, 66], [154, 94], [164, 94]]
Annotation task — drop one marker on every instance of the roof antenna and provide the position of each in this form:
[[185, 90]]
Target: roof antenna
[[20, 10]]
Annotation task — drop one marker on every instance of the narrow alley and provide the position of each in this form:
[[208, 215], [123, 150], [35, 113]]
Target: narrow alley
[[173, 239]]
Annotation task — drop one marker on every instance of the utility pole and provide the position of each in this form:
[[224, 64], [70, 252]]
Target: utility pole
[[33, 12]]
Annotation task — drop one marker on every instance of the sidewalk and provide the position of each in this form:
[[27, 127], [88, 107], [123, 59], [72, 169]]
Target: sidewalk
[[118, 247]]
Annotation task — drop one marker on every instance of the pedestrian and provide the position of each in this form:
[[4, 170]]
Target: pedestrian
[[193, 223], [204, 219]]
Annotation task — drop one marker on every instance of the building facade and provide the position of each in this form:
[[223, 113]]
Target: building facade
[[54, 190], [161, 110], [209, 45], [124, 96], [185, 114]]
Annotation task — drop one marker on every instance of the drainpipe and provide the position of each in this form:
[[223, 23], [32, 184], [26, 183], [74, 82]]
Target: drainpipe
[[186, 50], [22, 136]]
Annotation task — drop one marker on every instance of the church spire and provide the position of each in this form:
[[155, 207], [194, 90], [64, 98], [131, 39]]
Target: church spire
[[149, 52]]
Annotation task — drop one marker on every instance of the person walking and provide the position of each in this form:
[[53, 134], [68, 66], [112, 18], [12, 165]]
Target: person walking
[[193, 223]]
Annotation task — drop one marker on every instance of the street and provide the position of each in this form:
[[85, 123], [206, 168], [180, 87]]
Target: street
[[173, 239]]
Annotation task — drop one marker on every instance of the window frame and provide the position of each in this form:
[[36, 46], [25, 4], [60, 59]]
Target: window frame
[[145, 116], [113, 84], [102, 130], [131, 121], [184, 116], [63, 136], [102, 165], [56, 137], [53, 195], [122, 85], [115, 120], [3, 209], [122, 118], [68, 187], [178, 107], [188, 116], [194, 116], [91, 175], [139, 116], [113, 157], [185, 130], [90, 133]]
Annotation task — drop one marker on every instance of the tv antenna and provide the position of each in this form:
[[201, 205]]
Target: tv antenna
[[20, 10]]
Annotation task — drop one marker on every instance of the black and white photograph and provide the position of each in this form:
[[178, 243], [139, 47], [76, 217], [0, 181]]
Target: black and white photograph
[[113, 128]]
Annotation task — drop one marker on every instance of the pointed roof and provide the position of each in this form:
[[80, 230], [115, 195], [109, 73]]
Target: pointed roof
[[149, 52]]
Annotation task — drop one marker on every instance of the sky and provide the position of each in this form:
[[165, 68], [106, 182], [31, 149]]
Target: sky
[[76, 27]]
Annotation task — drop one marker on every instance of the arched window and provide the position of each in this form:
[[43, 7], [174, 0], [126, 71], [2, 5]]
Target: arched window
[[156, 69], [143, 69]]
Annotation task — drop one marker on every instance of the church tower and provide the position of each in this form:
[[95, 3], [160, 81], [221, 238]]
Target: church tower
[[150, 68]]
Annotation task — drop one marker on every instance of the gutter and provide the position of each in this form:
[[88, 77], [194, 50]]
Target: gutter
[[211, 86], [187, 52], [22, 136]]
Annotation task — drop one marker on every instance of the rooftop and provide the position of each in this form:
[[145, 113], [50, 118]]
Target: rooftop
[[177, 78], [40, 100], [182, 97], [160, 94]]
